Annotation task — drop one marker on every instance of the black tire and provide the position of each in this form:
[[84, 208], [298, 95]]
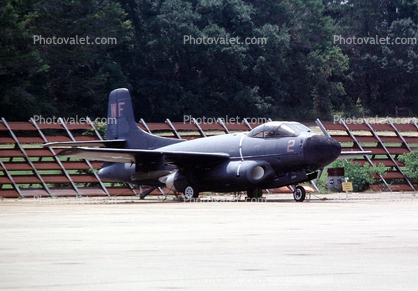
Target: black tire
[[191, 192], [255, 193], [299, 194]]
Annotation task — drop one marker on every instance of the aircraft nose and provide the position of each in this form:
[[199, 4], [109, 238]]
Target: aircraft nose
[[320, 150]]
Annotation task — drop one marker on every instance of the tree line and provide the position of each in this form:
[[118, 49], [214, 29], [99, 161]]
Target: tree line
[[312, 64]]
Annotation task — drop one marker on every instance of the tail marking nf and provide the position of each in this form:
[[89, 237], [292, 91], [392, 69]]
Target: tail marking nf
[[120, 108], [113, 110]]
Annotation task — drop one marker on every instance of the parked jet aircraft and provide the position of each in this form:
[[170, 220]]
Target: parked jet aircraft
[[271, 155]]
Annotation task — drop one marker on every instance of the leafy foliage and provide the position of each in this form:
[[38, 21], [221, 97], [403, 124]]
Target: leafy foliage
[[411, 165], [360, 176], [299, 73], [101, 129]]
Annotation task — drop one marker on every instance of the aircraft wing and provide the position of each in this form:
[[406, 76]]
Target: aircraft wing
[[138, 155], [353, 154], [114, 143]]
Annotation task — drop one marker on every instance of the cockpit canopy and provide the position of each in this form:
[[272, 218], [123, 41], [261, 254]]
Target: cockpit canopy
[[277, 129]]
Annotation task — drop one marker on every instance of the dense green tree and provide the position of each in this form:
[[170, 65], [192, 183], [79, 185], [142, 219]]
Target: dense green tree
[[301, 70], [78, 72], [57, 77], [305, 92], [19, 63], [326, 70], [398, 68], [177, 74], [380, 79]]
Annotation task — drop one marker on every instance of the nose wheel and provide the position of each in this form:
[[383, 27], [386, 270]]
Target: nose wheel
[[299, 194]]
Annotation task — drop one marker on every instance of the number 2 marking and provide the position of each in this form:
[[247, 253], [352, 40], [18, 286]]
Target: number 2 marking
[[291, 144]]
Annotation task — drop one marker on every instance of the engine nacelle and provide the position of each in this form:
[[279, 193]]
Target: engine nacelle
[[117, 172], [239, 174], [175, 182]]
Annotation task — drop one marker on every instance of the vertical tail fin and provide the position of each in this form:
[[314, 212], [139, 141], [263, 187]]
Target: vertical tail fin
[[121, 124], [120, 115]]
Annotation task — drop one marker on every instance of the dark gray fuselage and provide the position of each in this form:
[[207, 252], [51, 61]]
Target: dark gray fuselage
[[254, 161]]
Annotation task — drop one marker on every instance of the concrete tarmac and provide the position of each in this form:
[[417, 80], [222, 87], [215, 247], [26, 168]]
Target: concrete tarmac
[[367, 243]]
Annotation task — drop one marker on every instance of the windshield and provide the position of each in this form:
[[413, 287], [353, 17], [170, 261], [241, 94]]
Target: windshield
[[298, 127]]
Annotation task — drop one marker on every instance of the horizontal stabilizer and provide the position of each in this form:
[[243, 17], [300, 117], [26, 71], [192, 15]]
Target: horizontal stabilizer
[[353, 154], [139, 156], [114, 143]]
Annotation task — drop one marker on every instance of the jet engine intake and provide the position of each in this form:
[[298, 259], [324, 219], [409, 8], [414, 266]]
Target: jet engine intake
[[257, 172], [253, 171]]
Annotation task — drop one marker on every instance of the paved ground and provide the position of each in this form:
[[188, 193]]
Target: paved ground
[[367, 243]]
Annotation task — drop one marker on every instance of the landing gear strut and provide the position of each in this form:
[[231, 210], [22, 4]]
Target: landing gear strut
[[299, 194], [255, 195]]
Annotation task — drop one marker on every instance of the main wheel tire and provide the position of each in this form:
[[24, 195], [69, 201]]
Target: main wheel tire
[[299, 194], [190, 192], [255, 193]]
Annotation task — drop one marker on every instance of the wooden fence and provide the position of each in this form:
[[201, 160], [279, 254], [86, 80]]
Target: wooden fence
[[386, 141], [29, 170]]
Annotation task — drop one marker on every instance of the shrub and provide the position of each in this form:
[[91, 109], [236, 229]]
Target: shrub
[[411, 165], [360, 176], [101, 128]]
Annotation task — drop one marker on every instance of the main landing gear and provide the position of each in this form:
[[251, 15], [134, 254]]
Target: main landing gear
[[191, 192], [299, 194]]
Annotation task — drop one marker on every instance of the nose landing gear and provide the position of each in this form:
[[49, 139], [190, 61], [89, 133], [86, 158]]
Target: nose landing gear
[[299, 194]]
